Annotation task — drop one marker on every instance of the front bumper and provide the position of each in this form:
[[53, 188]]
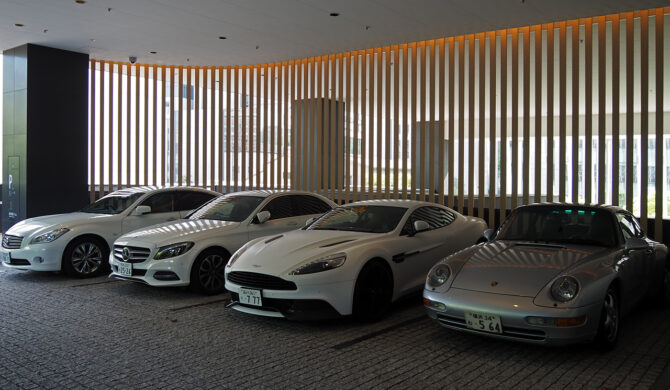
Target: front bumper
[[38, 257], [307, 302], [173, 272], [514, 312]]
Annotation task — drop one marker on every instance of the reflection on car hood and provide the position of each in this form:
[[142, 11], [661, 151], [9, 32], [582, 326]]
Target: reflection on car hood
[[172, 232], [280, 254], [68, 220], [518, 268]]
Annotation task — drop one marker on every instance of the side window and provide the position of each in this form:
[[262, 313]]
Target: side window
[[280, 207], [627, 227], [160, 203], [190, 200], [638, 229], [307, 204], [435, 216]]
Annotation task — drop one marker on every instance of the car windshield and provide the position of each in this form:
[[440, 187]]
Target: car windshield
[[560, 225], [363, 218], [228, 208], [112, 204]]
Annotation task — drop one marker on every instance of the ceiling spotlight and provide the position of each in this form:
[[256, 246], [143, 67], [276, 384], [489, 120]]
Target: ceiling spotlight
[[257, 47], [19, 24], [152, 52], [80, 1], [367, 27], [334, 14], [222, 37], [45, 31]]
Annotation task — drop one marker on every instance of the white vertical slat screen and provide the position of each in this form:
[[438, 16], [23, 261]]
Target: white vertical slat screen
[[567, 111]]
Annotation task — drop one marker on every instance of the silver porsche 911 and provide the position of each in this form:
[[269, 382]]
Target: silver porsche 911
[[553, 274]]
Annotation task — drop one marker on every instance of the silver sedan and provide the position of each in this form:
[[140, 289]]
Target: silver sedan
[[553, 274]]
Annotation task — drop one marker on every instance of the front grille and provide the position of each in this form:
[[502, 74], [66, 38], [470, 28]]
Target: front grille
[[11, 242], [268, 282], [135, 254], [519, 333]]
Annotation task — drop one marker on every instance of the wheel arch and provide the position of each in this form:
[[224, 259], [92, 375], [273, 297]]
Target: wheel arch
[[213, 247], [86, 236]]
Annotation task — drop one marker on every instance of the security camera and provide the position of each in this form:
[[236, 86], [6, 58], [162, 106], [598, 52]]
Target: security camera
[[132, 59]]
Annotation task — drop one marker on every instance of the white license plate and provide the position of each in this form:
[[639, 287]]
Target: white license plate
[[5, 257], [251, 296], [484, 322], [125, 269]]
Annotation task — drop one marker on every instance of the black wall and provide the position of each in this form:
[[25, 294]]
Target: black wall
[[45, 136]]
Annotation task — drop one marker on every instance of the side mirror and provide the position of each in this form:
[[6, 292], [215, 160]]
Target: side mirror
[[489, 234], [420, 226], [263, 216], [310, 221], [141, 210], [636, 243]]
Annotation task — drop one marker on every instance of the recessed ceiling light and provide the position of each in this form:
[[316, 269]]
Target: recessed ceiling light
[[334, 14], [223, 38], [19, 24], [80, 1], [152, 52]]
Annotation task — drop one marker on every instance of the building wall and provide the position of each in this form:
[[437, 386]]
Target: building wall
[[548, 112]]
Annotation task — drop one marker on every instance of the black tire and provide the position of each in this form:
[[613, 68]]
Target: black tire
[[610, 321], [664, 293], [208, 272], [85, 257], [373, 291]]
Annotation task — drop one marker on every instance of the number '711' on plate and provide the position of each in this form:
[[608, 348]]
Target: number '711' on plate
[[251, 296]]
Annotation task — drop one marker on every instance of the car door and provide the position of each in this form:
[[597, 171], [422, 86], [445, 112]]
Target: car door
[[420, 251], [187, 201], [162, 210], [633, 266], [287, 212]]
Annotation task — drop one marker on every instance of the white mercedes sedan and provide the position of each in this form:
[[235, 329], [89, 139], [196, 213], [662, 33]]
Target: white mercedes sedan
[[79, 242], [194, 252], [356, 259]]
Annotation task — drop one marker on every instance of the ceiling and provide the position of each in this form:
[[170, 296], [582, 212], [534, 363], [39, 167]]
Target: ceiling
[[261, 31]]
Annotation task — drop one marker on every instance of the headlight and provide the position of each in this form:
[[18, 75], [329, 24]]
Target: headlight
[[165, 252], [322, 264], [565, 288], [49, 236], [439, 275], [237, 255]]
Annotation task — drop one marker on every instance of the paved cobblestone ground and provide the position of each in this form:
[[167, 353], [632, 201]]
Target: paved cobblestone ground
[[57, 332]]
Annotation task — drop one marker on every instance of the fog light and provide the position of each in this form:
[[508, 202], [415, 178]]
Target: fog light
[[38, 260], [434, 305], [542, 321], [565, 322]]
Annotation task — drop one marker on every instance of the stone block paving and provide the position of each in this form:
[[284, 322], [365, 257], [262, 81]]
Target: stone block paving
[[57, 332]]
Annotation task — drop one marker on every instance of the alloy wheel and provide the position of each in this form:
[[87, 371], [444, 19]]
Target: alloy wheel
[[211, 273], [86, 258]]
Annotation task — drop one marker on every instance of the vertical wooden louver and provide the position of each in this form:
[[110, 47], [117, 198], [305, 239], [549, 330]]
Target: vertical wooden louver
[[481, 122]]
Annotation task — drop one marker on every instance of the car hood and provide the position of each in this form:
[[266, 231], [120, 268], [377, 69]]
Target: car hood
[[282, 253], [69, 220], [521, 269], [172, 232]]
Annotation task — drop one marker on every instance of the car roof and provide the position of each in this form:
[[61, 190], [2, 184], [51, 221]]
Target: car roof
[[152, 189], [605, 207], [268, 193], [409, 203]]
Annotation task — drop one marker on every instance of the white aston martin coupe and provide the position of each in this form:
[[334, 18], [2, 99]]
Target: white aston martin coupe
[[356, 259], [194, 252]]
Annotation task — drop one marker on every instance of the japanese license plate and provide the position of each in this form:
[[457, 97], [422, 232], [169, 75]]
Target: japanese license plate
[[484, 322], [251, 296], [5, 257], [125, 269]]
